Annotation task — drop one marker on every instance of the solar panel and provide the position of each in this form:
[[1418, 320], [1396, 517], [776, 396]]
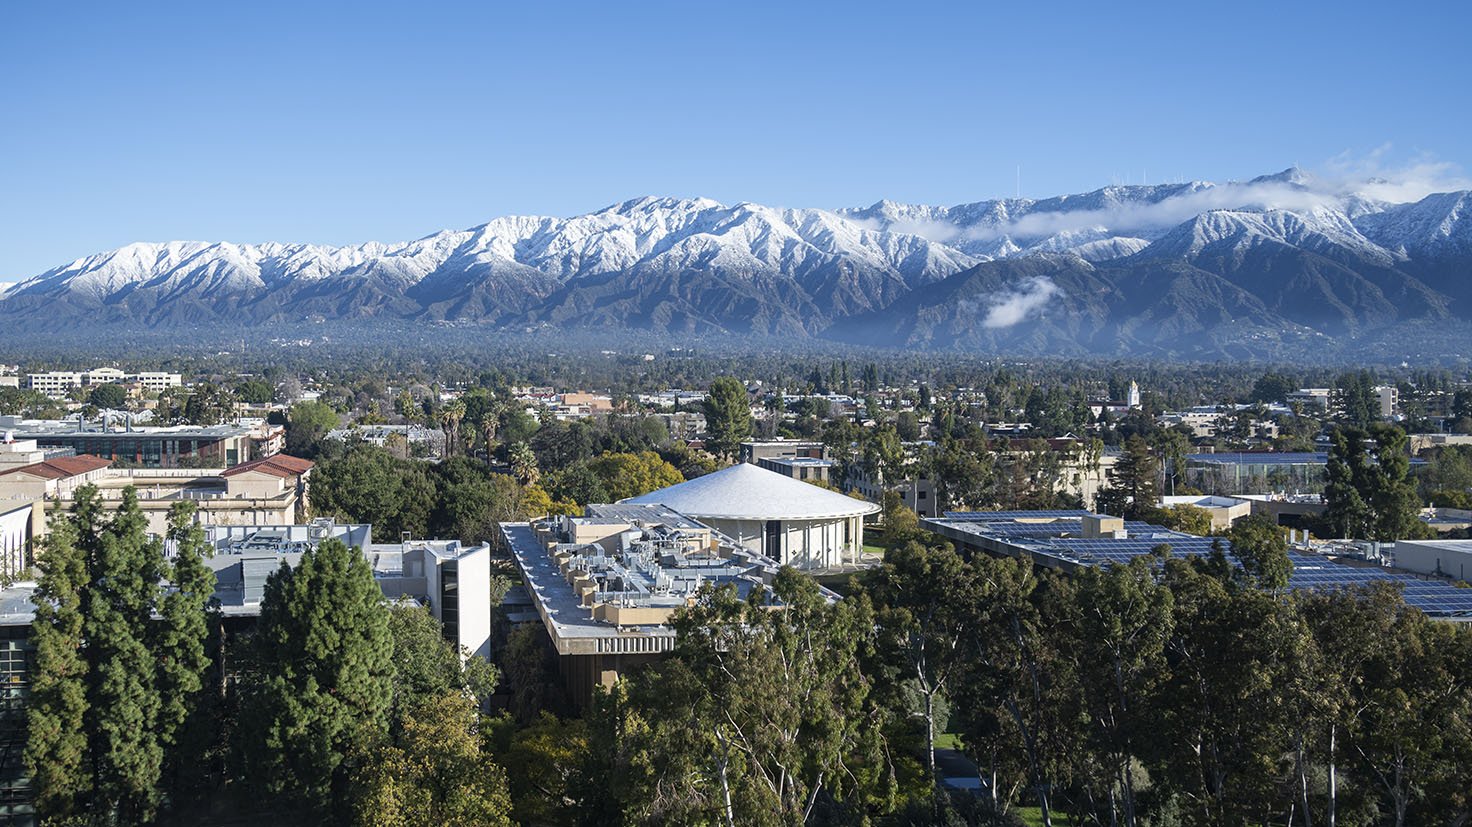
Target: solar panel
[[1284, 458], [1014, 515], [1436, 598]]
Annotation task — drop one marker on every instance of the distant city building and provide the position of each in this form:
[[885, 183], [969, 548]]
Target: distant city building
[[805, 469], [1252, 472], [1312, 398], [431, 439], [58, 383], [754, 451], [916, 492], [1421, 442], [1387, 398]]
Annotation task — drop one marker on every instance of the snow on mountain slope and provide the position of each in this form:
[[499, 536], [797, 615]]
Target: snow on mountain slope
[[1319, 230], [1437, 223], [1287, 240], [665, 233], [1004, 227]]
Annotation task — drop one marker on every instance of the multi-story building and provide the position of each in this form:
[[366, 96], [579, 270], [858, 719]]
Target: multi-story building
[[794, 523], [174, 447], [270, 491], [156, 381], [57, 383], [917, 492], [754, 451], [54, 384]]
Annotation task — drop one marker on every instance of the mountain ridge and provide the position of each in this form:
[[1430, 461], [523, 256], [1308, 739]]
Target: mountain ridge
[[1175, 268]]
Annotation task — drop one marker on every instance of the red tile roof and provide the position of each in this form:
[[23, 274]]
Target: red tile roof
[[62, 467], [280, 465]]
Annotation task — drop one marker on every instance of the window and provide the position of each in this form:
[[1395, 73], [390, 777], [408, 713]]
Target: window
[[450, 601]]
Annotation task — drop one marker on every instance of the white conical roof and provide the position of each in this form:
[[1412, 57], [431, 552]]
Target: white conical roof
[[746, 492]]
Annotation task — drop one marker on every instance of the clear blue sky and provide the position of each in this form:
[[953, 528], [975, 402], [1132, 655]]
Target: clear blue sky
[[340, 123]]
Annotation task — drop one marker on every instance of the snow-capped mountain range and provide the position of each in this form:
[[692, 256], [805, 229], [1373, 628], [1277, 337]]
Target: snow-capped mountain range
[[1177, 268]]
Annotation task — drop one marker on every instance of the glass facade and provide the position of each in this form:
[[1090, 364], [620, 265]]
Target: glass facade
[[450, 600], [17, 657]]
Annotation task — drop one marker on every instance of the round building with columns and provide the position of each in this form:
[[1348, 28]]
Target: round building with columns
[[790, 521]]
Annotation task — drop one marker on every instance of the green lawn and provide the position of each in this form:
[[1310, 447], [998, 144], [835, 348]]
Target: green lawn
[[873, 549], [1033, 817], [947, 740]]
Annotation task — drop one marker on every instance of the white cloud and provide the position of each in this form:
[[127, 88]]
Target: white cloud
[[1371, 177], [1341, 178], [937, 231], [1012, 306]]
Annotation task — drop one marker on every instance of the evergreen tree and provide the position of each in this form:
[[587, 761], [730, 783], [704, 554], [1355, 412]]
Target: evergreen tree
[[123, 698], [434, 774], [1259, 545], [326, 683], [1348, 513], [1134, 483], [1355, 401], [1392, 493], [187, 614], [56, 744], [95, 746], [727, 417], [1371, 496]]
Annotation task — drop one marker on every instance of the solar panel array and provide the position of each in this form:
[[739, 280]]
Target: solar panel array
[[1283, 458], [1269, 458], [1076, 514], [1060, 540]]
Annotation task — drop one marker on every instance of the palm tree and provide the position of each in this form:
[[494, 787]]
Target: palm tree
[[450, 418], [524, 464]]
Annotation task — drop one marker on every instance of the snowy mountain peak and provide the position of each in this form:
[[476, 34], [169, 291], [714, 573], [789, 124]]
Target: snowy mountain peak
[[1292, 175], [698, 264]]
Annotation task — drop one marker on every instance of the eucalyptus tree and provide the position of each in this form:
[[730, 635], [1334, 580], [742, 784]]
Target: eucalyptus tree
[[1123, 617], [762, 715], [928, 623]]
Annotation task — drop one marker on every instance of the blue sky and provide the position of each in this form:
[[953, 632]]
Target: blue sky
[[341, 123]]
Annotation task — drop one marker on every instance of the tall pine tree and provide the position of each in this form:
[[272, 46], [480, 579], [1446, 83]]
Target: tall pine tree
[[187, 614], [56, 745], [123, 698], [98, 721], [326, 683]]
